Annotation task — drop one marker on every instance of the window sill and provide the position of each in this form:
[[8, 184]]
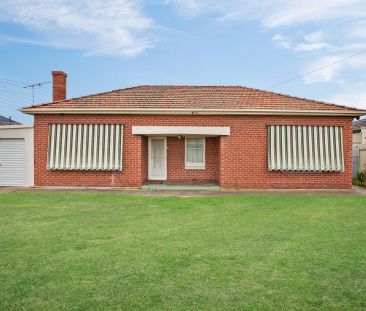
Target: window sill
[[190, 167]]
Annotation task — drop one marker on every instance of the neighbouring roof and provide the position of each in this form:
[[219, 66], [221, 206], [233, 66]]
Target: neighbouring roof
[[358, 124], [7, 121], [203, 98]]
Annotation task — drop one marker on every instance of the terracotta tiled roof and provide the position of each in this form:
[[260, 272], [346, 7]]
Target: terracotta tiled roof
[[192, 97]]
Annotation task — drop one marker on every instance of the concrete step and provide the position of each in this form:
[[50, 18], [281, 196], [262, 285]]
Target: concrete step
[[177, 187]]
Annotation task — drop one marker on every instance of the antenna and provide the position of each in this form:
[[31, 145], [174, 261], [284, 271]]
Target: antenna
[[34, 86]]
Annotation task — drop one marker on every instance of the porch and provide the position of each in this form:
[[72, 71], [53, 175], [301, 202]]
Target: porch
[[178, 157]]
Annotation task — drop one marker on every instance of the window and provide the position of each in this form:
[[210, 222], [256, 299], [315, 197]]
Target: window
[[195, 153], [305, 148], [85, 147]]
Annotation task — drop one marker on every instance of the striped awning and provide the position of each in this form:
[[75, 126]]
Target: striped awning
[[305, 148], [85, 147]]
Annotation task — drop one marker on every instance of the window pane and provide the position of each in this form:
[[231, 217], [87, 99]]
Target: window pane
[[195, 143], [195, 156], [199, 156], [190, 156], [195, 151]]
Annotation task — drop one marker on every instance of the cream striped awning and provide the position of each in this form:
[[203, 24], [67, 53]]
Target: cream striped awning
[[85, 147], [305, 148]]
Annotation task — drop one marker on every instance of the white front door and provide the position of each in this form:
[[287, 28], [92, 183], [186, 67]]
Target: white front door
[[157, 158]]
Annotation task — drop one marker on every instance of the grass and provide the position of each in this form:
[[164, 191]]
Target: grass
[[72, 251]]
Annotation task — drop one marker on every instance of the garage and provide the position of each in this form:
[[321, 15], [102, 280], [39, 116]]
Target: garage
[[16, 156], [12, 164]]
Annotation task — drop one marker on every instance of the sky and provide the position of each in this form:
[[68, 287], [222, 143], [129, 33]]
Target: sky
[[112, 44]]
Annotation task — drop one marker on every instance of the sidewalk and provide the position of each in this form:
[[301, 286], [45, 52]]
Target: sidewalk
[[359, 190]]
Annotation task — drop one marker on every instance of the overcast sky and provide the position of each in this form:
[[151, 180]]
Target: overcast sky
[[111, 44]]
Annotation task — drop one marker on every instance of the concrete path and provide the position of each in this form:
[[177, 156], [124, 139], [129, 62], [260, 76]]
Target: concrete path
[[188, 193], [359, 190]]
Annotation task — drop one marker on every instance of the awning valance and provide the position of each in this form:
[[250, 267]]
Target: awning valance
[[305, 148], [181, 130], [85, 147]]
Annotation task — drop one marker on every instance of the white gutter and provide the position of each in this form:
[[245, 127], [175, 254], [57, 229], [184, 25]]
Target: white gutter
[[194, 111]]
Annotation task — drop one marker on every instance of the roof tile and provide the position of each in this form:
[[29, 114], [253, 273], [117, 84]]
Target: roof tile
[[193, 97]]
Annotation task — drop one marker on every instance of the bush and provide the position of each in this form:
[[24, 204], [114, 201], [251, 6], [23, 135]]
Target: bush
[[360, 176], [359, 179]]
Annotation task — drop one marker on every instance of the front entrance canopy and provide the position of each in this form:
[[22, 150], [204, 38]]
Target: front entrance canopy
[[181, 130]]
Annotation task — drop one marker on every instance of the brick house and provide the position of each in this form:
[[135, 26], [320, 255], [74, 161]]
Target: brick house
[[234, 136]]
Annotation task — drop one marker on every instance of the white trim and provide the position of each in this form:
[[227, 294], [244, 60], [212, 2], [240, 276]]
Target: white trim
[[165, 158], [181, 130], [16, 126], [55, 110], [195, 166]]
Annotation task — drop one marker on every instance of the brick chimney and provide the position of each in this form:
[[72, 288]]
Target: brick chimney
[[59, 85]]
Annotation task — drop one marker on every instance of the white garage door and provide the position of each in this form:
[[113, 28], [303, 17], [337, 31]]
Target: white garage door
[[12, 162]]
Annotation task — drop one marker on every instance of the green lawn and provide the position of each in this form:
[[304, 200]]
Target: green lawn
[[72, 251]]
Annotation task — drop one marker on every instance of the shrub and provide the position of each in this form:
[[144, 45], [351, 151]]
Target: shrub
[[359, 179], [360, 176]]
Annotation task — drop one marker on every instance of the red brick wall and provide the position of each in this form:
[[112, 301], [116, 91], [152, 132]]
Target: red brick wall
[[176, 162], [58, 85], [236, 161], [130, 176], [243, 156]]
